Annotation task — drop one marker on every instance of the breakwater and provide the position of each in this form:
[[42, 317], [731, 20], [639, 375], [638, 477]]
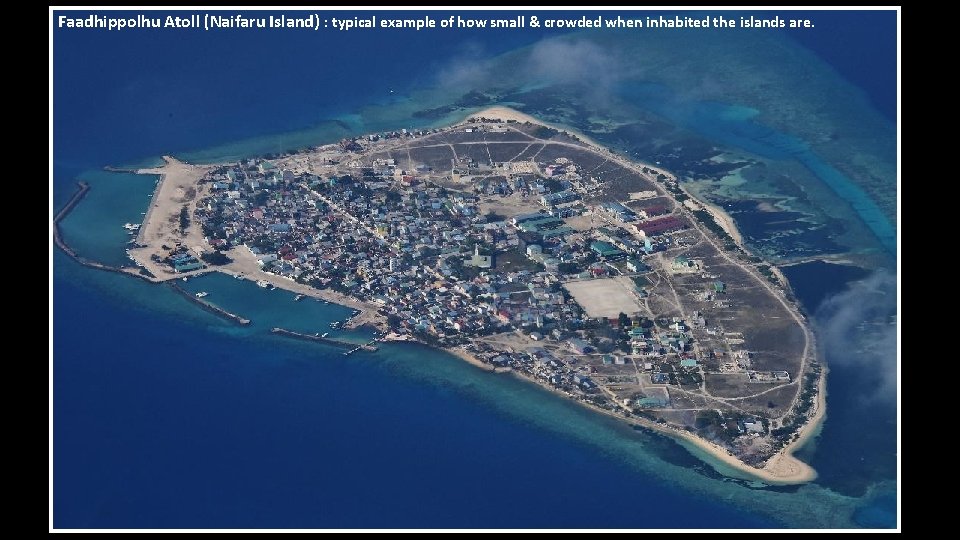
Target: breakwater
[[216, 310], [349, 345], [58, 239]]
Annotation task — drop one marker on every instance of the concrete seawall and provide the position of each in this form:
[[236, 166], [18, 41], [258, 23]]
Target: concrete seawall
[[216, 310]]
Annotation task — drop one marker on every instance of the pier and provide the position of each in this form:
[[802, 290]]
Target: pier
[[208, 306], [351, 346]]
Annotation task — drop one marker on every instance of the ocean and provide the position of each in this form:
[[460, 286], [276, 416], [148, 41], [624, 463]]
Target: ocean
[[166, 416]]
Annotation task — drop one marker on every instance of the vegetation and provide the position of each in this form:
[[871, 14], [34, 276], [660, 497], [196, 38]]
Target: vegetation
[[553, 185], [544, 132], [215, 258], [184, 219], [707, 219], [492, 216]]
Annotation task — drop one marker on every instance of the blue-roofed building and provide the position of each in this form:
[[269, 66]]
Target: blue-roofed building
[[605, 249], [188, 266]]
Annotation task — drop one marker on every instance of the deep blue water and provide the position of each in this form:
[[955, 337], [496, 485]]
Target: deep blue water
[[168, 417], [160, 423], [175, 91], [848, 458], [860, 46]]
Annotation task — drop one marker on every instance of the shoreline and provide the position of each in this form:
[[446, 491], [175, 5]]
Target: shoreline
[[781, 469], [791, 472], [723, 219], [501, 112]]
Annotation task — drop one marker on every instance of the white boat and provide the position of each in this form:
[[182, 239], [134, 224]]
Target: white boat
[[325, 334], [297, 298], [184, 278], [201, 294], [262, 283]]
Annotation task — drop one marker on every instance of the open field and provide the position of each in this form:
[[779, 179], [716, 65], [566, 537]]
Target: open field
[[606, 297]]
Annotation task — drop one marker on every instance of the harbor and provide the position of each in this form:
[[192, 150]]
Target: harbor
[[82, 189]]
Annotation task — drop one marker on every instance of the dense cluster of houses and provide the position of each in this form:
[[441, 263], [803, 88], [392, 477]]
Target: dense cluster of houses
[[429, 257]]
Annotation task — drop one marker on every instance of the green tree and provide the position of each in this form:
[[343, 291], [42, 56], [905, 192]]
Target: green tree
[[184, 219]]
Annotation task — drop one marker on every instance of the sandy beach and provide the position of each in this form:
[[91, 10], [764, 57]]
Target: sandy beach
[[179, 186], [722, 217], [783, 468], [506, 113], [784, 464], [468, 357]]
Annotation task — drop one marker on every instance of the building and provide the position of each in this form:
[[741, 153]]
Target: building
[[659, 226], [579, 346], [562, 197], [478, 260], [620, 211], [605, 249], [682, 263]]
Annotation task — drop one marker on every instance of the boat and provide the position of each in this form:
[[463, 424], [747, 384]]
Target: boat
[[201, 294], [262, 283], [325, 334], [131, 226], [184, 278], [298, 297]]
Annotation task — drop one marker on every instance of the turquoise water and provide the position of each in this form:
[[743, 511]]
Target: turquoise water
[[169, 416], [736, 126], [267, 308], [94, 229], [650, 460]]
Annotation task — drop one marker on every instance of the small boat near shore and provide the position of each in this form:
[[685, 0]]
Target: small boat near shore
[[298, 297], [263, 283], [201, 294]]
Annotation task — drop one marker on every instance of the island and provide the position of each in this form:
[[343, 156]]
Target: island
[[521, 247]]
